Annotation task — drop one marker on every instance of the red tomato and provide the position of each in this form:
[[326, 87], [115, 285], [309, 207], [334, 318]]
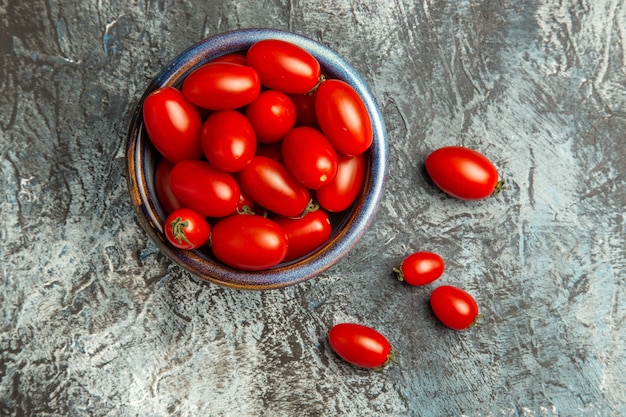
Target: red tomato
[[284, 66], [249, 242], [173, 124], [186, 229], [420, 268], [343, 117], [166, 197], [271, 185], [272, 115], [306, 233], [246, 204], [463, 173], [454, 307], [360, 345], [344, 189], [310, 157], [271, 150], [201, 187], [235, 58], [305, 109], [228, 140], [222, 86]]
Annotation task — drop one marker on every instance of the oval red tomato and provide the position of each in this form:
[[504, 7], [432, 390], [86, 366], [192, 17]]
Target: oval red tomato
[[249, 242], [462, 172], [270, 184], [186, 229], [284, 66], [222, 86], [228, 140], [310, 157], [344, 189], [343, 117], [173, 124], [306, 233], [272, 115], [305, 109], [360, 345], [201, 187], [234, 58], [164, 193], [420, 268], [454, 307]]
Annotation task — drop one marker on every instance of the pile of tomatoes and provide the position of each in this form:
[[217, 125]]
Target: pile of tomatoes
[[258, 149]]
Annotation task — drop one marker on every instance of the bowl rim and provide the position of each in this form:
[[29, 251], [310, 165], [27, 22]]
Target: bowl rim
[[364, 209]]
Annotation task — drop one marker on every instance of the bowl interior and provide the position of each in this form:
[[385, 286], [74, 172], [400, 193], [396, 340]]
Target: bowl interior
[[348, 226]]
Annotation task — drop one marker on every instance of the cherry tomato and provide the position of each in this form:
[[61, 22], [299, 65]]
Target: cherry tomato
[[272, 115], [454, 307], [310, 157], [228, 140], [306, 233], [166, 197], [343, 117], [463, 173], [186, 229], [360, 345], [420, 268], [173, 124], [284, 66], [232, 58], [305, 109], [200, 186], [249, 242], [271, 150], [246, 204], [271, 185], [344, 189], [222, 86]]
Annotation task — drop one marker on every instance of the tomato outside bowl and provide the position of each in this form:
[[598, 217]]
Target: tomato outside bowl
[[348, 226]]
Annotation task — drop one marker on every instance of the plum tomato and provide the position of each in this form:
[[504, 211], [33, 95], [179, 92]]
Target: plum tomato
[[222, 86], [420, 268], [270, 184], [272, 115], [200, 186], [246, 205], [343, 117], [164, 193], [310, 157], [463, 173], [234, 58], [360, 345], [454, 307], [186, 229], [228, 140], [305, 109], [284, 66], [249, 242], [306, 233], [341, 192], [271, 150], [173, 124]]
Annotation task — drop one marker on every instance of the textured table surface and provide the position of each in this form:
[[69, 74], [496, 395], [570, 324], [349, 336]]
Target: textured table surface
[[96, 322]]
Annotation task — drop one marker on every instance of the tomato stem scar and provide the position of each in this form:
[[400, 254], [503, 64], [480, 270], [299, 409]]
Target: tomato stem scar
[[178, 226]]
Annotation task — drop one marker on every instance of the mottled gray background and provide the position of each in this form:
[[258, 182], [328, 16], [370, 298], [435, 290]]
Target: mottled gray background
[[96, 322]]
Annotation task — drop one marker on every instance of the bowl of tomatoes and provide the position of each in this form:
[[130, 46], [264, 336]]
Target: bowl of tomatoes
[[257, 159]]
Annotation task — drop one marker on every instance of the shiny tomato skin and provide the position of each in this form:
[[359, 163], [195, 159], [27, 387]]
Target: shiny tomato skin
[[306, 233], [272, 115], [420, 268], [284, 66], [341, 192], [310, 157], [305, 109], [186, 229], [222, 86], [249, 242], [462, 172], [234, 58], [166, 197], [173, 124], [360, 345], [270, 184], [200, 186], [228, 140], [343, 117], [454, 307]]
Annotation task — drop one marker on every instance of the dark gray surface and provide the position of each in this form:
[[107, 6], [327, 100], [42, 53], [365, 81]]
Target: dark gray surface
[[96, 322]]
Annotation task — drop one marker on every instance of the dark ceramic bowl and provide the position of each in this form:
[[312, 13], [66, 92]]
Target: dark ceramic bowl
[[348, 227]]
